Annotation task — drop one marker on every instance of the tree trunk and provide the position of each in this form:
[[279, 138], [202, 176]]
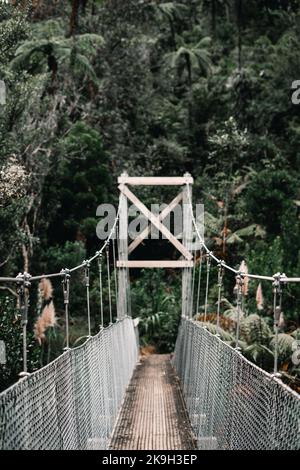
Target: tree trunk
[[190, 83], [239, 23], [213, 18], [74, 17]]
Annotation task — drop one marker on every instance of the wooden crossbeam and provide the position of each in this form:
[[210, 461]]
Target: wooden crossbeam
[[164, 213], [155, 180], [155, 221], [155, 264]]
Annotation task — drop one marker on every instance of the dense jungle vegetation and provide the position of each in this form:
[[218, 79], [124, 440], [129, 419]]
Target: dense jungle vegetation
[[94, 88]]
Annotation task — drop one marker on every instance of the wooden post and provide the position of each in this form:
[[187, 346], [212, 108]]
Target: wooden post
[[123, 256], [187, 230], [185, 263]]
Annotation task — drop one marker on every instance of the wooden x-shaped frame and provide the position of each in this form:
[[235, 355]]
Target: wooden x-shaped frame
[[156, 221]]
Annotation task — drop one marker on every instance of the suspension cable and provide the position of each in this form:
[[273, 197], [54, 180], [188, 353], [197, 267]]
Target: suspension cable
[[115, 270], [199, 281], [239, 294], [208, 264], [108, 284], [277, 305], [100, 288], [66, 293], [71, 270], [220, 285], [193, 286], [283, 277], [23, 298], [87, 285]]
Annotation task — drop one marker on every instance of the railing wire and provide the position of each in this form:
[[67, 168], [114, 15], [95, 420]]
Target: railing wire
[[232, 403]]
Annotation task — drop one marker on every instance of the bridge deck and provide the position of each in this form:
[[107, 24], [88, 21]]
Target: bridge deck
[[153, 416]]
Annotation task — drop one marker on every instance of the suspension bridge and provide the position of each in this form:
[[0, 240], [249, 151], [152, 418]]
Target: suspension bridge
[[103, 395]]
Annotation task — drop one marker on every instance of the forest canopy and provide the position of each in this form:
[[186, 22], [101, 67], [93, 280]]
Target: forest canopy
[[94, 88]]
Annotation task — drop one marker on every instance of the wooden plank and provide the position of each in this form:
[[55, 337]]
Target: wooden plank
[[155, 180], [155, 221], [155, 264], [164, 213], [153, 415]]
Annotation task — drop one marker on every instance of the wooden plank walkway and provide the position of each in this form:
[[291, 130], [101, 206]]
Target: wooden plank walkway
[[153, 416]]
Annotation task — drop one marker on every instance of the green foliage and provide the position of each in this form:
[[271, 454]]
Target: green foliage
[[285, 347], [224, 335], [11, 334], [159, 314], [270, 198], [154, 88], [54, 51], [254, 329]]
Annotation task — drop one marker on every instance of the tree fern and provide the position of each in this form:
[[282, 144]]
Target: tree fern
[[254, 329], [225, 336], [76, 51], [285, 346]]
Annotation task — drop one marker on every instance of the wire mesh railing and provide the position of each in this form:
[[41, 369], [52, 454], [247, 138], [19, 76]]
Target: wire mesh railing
[[73, 402], [232, 403]]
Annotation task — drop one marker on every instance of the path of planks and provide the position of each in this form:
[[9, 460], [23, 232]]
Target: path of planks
[[153, 416]]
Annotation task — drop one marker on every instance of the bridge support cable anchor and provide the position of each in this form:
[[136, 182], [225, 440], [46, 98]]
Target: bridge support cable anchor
[[100, 289], [239, 301], [87, 286], [23, 284], [220, 286], [279, 280], [65, 273], [108, 283]]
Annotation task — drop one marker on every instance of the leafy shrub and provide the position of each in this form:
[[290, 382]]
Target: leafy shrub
[[11, 334]]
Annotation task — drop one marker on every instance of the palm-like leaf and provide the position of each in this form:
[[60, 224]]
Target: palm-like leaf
[[78, 49], [254, 329], [285, 346], [170, 10], [196, 54]]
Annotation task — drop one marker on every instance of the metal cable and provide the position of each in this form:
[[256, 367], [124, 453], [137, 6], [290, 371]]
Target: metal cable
[[193, 286], [208, 263], [23, 296], [284, 278], [199, 282], [232, 403], [66, 294], [73, 402], [100, 288], [239, 286], [71, 270], [277, 293], [108, 284], [87, 285], [220, 285], [115, 268]]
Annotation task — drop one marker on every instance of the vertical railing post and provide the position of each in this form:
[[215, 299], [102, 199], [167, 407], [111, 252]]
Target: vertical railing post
[[187, 233], [277, 306], [220, 285], [87, 285], [239, 293], [123, 256], [23, 296], [66, 293]]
